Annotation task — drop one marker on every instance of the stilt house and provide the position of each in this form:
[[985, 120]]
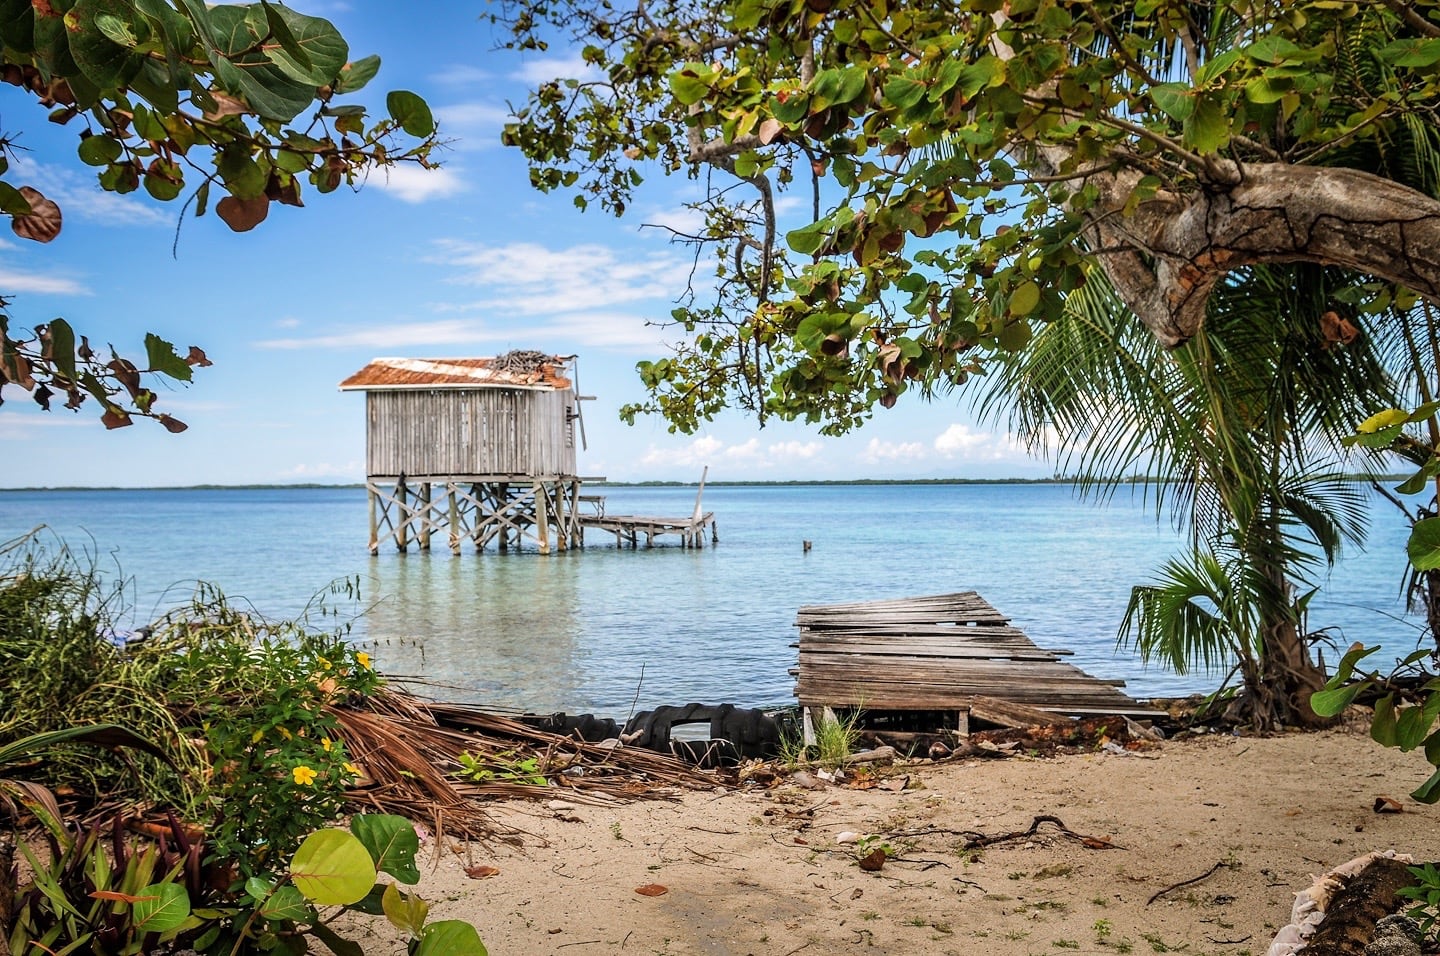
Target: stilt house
[[480, 449]]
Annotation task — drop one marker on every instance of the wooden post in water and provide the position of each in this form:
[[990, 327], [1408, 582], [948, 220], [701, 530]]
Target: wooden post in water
[[402, 530], [374, 521], [561, 543], [425, 523], [454, 519], [542, 523]]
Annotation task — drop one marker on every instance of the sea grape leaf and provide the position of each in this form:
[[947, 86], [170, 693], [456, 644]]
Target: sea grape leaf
[[355, 74], [411, 112], [450, 937], [311, 49], [1423, 547], [392, 842], [161, 357], [332, 868]]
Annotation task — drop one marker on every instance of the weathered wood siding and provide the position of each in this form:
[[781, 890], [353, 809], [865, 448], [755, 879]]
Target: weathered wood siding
[[485, 431]]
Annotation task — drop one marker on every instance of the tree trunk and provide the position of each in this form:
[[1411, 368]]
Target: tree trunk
[[1354, 910], [1429, 589], [1290, 676]]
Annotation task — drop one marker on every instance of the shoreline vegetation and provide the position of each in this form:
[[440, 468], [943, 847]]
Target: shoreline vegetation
[[1058, 835], [807, 482]]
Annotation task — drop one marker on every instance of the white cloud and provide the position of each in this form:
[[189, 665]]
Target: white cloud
[[26, 424], [323, 471], [881, 452], [613, 330], [959, 440], [472, 114], [546, 68], [968, 444], [462, 74], [796, 450], [287, 323], [79, 194], [13, 282], [392, 336], [749, 455], [413, 184], [684, 220], [530, 279], [699, 452]]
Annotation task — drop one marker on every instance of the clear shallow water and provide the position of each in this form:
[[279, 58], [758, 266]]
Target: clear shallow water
[[599, 629]]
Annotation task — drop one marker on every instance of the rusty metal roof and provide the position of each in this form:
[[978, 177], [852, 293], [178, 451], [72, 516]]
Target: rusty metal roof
[[512, 370]]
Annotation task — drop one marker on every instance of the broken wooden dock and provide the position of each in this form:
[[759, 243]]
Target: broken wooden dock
[[936, 654], [629, 528]]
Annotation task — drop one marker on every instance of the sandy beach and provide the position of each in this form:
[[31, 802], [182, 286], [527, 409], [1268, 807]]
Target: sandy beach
[[763, 870]]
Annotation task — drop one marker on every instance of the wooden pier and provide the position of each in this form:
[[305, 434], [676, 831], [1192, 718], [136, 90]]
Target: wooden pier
[[628, 528], [940, 654]]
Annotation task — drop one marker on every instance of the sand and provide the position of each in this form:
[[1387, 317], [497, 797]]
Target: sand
[[759, 870]]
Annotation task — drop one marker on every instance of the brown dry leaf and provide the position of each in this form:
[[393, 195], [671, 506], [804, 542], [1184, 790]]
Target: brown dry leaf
[[481, 872], [769, 131], [652, 889], [242, 215], [115, 418], [43, 221], [1384, 804], [1096, 843], [226, 105], [874, 862], [172, 425], [896, 784], [1337, 330], [862, 783]]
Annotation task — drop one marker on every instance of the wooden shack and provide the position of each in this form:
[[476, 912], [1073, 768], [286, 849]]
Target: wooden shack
[[475, 449]]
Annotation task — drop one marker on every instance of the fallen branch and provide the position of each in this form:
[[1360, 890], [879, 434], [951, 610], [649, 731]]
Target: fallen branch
[[974, 841], [1203, 876]]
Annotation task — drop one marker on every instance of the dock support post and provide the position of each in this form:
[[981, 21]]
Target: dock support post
[[370, 493], [454, 519], [542, 523], [426, 525], [402, 530]]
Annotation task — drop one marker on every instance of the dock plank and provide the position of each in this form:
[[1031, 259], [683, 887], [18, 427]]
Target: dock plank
[[937, 652]]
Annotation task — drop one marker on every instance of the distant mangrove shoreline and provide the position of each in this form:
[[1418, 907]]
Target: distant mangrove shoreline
[[793, 483]]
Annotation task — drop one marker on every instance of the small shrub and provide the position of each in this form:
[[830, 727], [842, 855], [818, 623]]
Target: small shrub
[[1426, 894]]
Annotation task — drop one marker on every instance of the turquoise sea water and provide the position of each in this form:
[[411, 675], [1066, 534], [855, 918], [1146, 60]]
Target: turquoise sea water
[[606, 628]]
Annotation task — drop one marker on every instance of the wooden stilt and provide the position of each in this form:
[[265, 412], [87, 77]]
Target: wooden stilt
[[371, 494], [425, 523], [542, 517], [454, 518], [402, 530]]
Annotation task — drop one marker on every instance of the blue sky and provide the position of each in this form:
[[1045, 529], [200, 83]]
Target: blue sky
[[464, 260]]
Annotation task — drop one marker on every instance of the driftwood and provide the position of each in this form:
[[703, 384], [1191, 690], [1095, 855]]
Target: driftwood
[[1357, 906], [975, 841]]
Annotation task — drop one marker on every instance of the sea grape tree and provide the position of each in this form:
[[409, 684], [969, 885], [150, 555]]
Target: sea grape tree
[[964, 166], [246, 105]]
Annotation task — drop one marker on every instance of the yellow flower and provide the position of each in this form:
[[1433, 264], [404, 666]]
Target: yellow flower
[[303, 775], [325, 742], [353, 770], [324, 664], [283, 732], [364, 660], [257, 736]]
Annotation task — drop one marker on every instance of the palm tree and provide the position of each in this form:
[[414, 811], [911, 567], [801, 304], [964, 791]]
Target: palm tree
[[1238, 434]]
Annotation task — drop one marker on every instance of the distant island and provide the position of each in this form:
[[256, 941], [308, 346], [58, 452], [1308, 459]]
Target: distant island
[[1056, 480]]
